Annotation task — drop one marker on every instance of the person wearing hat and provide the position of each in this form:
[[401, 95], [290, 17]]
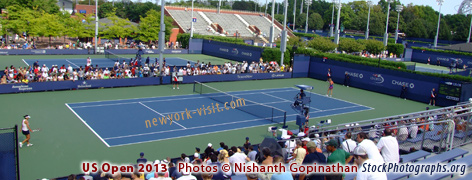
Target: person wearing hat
[[304, 143], [298, 154], [361, 158], [209, 149], [311, 158], [25, 129], [141, 159], [338, 155]]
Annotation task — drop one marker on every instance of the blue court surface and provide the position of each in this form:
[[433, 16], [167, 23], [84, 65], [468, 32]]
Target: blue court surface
[[130, 121], [101, 62]]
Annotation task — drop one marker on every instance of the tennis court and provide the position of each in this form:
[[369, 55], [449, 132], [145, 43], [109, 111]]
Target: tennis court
[[123, 122], [102, 62]]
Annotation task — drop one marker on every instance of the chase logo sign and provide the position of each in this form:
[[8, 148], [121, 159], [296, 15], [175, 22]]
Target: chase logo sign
[[401, 83], [224, 49], [84, 85], [38, 51], [246, 54], [377, 78], [354, 74], [149, 51]]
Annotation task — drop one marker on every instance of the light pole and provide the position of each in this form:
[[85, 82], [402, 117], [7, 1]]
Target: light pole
[[308, 3], [283, 40], [191, 23], [470, 13], [386, 26], [294, 14], [336, 37], [440, 2], [96, 26], [399, 9], [162, 36], [331, 26], [369, 3], [301, 7], [272, 24]]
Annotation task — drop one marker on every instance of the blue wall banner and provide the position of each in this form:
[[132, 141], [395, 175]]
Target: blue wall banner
[[236, 77], [234, 52], [84, 51], [379, 80], [301, 66], [195, 46], [444, 58], [105, 83]]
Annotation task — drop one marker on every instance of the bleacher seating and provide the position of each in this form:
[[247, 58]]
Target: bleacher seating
[[412, 157], [262, 23], [183, 18], [230, 23]]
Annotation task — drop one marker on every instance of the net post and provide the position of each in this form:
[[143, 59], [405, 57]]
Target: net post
[[17, 153], [285, 118]]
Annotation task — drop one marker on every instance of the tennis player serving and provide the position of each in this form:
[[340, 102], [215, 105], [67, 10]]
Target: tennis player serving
[[25, 129]]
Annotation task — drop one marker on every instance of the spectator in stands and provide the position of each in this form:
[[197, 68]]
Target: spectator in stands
[[298, 154], [209, 150], [196, 159], [413, 130], [402, 131], [337, 156], [186, 175], [370, 147], [136, 176], [252, 175], [222, 145], [251, 153], [311, 158], [71, 177], [247, 144], [223, 157], [268, 159], [361, 158], [141, 159], [348, 145], [388, 146], [238, 156], [184, 158]]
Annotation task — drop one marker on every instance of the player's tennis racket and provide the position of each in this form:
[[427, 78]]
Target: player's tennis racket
[[37, 129]]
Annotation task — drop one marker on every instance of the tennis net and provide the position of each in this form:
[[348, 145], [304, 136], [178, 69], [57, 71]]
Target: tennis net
[[262, 111], [114, 57]]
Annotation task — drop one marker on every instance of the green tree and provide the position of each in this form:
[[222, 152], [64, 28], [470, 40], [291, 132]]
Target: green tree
[[323, 44], [149, 26], [117, 28], [315, 21], [350, 45], [105, 9], [373, 46]]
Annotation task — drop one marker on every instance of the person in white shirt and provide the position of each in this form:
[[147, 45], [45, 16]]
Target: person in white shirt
[[413, 130], [388, 146], [89, 61], [363, 160], [238, 156], [348, 145], [70, 69], [402, 132], [370, 147]]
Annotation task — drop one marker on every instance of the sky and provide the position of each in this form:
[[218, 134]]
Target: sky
[[448, 7]]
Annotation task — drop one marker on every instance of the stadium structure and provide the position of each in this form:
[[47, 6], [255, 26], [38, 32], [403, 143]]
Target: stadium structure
[[465, 7]]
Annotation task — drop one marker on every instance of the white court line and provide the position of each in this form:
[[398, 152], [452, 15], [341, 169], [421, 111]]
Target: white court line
[[196, 127], [25, 62], [167, 99], [275, 96], [340, 100], [72, 63], [228, 106], [223, 130], [161, 114], [87, 125], [175, 95], [291, 101]]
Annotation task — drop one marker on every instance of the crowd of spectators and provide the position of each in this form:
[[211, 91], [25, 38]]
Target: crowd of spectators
[[134, 68]]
